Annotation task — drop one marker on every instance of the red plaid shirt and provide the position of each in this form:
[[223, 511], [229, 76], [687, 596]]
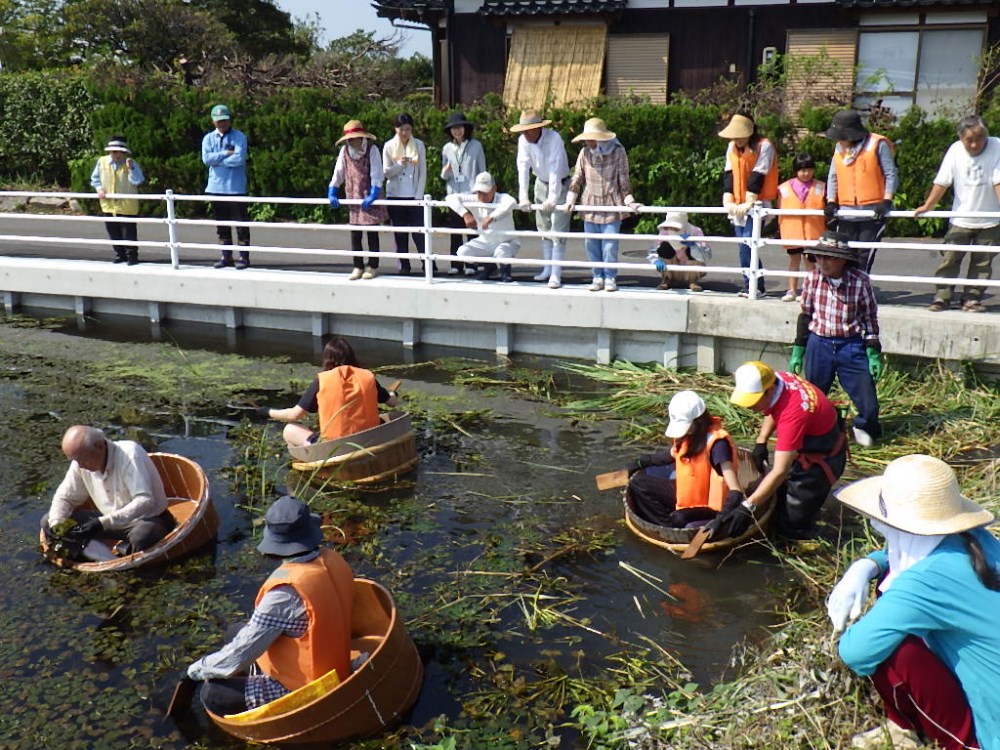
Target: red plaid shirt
[[846, 310]]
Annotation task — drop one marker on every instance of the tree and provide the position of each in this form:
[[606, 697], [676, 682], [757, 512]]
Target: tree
[[31, 34]]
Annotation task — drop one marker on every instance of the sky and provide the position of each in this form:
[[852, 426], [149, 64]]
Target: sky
[[342, 17]]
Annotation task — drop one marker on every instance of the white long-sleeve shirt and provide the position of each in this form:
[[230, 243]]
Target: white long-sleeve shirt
[[405, 180], [548, 161], [128, 490], [502, 222]]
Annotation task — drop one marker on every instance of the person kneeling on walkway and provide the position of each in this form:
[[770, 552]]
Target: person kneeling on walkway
[[930, 642], [695, 479], [300, 628], [493, 222]]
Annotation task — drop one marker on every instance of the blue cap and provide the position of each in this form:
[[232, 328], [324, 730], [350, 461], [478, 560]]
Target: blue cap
[[289, 528]]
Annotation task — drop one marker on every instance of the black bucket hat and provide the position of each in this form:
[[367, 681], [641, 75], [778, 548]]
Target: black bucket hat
[[454, 120], [289, 528], [847, 126], [834, 245]]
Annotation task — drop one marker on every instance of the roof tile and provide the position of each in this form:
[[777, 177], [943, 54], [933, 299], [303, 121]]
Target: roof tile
[[549, 7]]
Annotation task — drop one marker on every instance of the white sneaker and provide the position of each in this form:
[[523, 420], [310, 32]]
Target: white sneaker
[[371, 273], [862, 438], [610, 285], [454, 271], [543, 276], [596, 285], [790, 296], [889, 734], [356, 274], [554, 283], [470, 271]]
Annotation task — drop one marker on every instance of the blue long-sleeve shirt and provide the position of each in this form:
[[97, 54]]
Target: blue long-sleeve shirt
[[227, 172], [942, 601]]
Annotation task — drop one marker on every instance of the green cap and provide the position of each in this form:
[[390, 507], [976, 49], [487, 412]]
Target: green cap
[[221, 112]]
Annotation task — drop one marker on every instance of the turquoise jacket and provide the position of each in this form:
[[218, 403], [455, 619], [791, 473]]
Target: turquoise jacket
[[941, 600]]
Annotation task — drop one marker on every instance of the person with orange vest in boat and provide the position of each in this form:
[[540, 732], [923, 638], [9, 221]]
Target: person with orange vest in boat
[[810, 449], [862, 176], [803, 191], [695, 479], [751, 175], [119, 478], [345, 395], [300, 628]]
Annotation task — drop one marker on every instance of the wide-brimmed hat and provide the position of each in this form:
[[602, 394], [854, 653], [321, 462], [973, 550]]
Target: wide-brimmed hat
[[117, 143], [675, 220], [290, 528], [847, 126], [740, 126], [834, 245], [354, 129], [221, 112], [594, 129], [483, 183], [918, 494], [752, 379], [685, 407], [455, 119], [530, 119]]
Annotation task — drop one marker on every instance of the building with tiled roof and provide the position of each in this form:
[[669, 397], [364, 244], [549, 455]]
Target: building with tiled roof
[[538, 52]]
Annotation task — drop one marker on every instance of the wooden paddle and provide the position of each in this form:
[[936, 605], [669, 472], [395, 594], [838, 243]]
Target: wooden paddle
[[612, 479], [180, 701], [394, 387], [694, 547]]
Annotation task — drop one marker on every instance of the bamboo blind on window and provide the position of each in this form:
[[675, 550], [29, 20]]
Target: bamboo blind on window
[[637, 66], [820, 68], [554, 65]]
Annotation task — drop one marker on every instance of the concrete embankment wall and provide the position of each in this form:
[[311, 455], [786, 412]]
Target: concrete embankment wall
[[710, 332]]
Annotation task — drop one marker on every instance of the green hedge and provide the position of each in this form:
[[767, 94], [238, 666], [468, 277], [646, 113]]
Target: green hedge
[[55, 126]]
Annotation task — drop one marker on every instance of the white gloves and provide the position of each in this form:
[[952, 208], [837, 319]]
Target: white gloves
[[844, 603], [548, 206]]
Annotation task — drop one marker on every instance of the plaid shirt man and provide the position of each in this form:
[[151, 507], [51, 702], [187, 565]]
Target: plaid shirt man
[[841, 310]]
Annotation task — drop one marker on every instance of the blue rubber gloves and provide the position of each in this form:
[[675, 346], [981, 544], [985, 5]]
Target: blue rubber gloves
[[373, 195], [331, 193]]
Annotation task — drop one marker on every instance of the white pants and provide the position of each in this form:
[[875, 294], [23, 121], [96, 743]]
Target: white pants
[[482, 248], [551, 221]]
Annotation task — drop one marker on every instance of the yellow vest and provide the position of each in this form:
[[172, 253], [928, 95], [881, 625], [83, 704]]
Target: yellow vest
[[116, 181]]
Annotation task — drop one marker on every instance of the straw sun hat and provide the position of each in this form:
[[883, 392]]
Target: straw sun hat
[[594, 129], [918, 494], [740, 126], [354, 129], [530, 119]]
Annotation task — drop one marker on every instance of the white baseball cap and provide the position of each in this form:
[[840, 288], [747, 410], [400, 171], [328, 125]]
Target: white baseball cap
[[484, 183], [685, 407]]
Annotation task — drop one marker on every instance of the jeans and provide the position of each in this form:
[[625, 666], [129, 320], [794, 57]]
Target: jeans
[[600, 250], [980, 264], [846, 359], [746, 231]]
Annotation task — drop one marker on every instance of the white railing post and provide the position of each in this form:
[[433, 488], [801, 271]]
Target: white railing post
[[753, 273], [428, 239], [175, 260]]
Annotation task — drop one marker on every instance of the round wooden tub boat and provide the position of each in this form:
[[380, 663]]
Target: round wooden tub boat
[[189, 503], [379, 454], [676, 540], [372, 697]]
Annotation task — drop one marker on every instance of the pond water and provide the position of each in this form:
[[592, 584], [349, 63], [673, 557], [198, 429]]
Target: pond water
[[515, 575]]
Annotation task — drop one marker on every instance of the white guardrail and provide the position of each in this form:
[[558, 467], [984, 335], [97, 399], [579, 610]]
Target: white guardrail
[[758, 215]]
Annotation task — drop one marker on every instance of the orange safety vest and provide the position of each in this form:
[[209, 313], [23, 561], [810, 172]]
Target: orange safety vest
[[698, 484], [742, 165], [861, 182], [802, 227], [347, 400], [326, 586]]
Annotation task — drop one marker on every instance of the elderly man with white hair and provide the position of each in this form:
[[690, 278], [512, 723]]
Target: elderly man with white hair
[[971, 168], [123, 484], [494, 223]]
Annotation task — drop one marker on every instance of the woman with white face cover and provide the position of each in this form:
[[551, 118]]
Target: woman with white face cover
[[931, 641]]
